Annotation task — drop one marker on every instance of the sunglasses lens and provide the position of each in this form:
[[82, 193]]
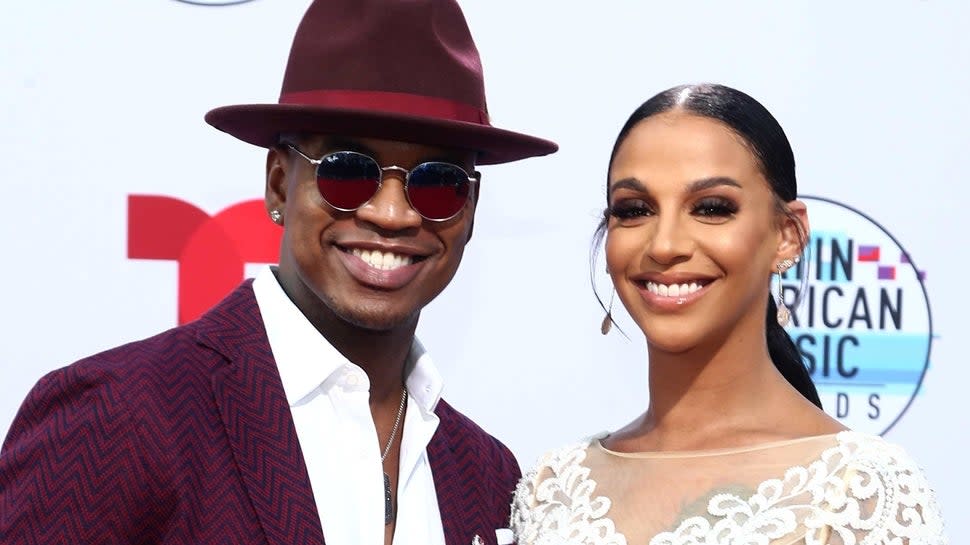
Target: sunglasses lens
[[438, 190], [347, 179]]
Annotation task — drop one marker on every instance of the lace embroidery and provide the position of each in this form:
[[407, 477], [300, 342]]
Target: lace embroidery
[[862, 491], [561, 508]]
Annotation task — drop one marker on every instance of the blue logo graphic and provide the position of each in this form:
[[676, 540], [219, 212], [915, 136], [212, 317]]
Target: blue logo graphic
[[863, 324]]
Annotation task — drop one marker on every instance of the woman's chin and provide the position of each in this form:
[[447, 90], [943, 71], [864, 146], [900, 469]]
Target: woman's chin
[[672, 343]]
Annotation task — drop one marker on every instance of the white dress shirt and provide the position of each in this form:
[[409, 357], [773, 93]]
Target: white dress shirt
[[329, 399]]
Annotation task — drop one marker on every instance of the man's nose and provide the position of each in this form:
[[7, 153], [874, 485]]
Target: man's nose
[[389, 208]]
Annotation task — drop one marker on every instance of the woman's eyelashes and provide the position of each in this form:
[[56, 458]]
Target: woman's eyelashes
[[707, 209], [715, 208], [626, 209]]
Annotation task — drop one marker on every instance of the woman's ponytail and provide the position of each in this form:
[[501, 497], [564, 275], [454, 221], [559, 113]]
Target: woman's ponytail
[[786, 356]]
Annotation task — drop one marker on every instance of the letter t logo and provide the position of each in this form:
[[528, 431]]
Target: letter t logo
[[212, 251]]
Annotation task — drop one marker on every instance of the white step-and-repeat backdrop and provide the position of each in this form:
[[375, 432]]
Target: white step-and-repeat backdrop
[[109, 173]]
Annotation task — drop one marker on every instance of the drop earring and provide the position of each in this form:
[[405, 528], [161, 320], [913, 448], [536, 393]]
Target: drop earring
[[607, 324], [783, 315]]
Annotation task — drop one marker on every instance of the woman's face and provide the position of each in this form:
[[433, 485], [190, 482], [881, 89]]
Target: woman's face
[[694, 232]]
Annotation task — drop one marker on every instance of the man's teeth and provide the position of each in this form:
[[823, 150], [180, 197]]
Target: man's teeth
[[382, 260], [673, 290]]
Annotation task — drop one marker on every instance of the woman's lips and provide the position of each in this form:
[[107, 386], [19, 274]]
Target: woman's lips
[[671, 296]]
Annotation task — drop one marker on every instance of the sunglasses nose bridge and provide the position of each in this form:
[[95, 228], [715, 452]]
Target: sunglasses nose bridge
[[395, 171], [400, 171], [390, 207]]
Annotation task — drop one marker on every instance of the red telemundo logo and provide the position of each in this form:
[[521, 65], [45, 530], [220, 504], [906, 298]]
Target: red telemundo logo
[[211, 251]]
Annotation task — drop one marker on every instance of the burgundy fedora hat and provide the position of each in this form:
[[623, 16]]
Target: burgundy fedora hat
[[403, 70]]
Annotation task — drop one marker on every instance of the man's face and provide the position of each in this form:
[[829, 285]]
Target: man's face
[[375, 267]]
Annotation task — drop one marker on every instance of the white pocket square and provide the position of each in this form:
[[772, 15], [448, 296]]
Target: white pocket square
[[503, 536]]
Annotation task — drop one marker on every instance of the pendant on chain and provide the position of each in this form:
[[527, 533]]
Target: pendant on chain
[[388, 507], [388, 498]]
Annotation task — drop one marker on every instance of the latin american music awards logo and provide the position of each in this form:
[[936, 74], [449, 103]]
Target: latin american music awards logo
[[863, 324]]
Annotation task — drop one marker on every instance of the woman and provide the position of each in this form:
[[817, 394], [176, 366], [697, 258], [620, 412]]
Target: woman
[[734, 446]]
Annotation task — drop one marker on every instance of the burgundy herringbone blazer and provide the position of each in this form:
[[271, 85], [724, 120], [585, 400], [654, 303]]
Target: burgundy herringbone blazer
[[187, 438]]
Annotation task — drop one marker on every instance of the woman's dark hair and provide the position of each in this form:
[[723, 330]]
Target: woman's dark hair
[[768, 143]]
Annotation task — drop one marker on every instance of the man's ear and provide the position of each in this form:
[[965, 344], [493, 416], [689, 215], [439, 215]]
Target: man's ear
[[277, 162], [794, 231]]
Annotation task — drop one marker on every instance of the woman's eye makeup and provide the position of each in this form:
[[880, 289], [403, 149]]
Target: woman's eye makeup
[[630, 208], [709, 200], [708, 208], [715, 207]]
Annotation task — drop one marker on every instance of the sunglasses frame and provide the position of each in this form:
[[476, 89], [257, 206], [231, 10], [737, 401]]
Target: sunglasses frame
[[405, 173]]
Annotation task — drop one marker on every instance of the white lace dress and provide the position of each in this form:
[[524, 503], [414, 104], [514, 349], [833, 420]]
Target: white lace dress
[[842, 489]]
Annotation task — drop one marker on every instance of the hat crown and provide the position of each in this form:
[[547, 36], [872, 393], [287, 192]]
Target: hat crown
[[421, 48], [403, 70]]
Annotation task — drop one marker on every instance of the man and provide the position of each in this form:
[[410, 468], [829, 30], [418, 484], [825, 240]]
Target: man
[[301, 407]]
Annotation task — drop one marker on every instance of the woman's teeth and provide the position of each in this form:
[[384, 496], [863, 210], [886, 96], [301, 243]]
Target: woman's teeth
[[673, 290]]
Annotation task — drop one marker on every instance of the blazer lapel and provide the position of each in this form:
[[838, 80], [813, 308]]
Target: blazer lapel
[[258, 423], [448, 487], [456, 470]]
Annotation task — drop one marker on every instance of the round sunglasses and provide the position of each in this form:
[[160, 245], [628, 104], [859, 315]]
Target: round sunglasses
[[348, 179]]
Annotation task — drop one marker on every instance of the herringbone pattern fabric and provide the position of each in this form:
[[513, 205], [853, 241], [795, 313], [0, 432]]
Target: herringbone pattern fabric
[[186, 438], [138, 444], [474, 475]]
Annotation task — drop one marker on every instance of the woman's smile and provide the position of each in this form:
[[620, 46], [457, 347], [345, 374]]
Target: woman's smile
[[672, 292]]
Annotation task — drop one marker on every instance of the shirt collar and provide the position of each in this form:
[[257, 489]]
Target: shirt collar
[[306, 360], [424, 382]]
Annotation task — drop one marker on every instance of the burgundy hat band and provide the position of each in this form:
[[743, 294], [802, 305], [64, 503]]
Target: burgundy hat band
[[389, 102]]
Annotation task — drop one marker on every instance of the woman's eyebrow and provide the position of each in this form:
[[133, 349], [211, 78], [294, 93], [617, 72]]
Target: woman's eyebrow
[[707, 183], [629, 183], [695, 186]]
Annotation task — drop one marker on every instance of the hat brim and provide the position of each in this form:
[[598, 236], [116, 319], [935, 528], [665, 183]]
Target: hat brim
[[261, 125]]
